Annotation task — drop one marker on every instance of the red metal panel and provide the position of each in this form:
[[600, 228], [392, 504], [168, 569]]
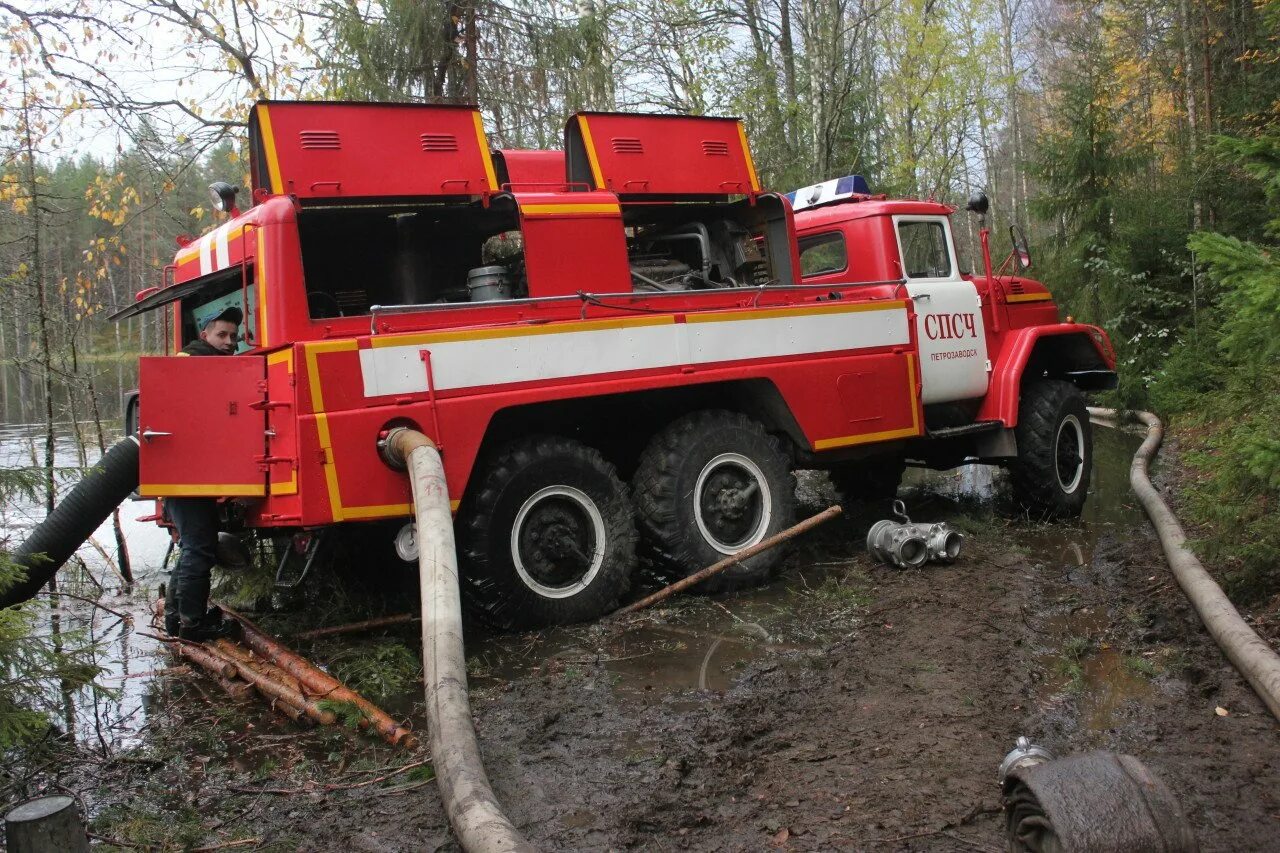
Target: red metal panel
[[320, 150], [1004, 392], [660, 154], [531, 170], [574, 241], [202, 426]]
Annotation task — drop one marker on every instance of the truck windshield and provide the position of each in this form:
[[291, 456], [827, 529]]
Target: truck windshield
[[924, 249]]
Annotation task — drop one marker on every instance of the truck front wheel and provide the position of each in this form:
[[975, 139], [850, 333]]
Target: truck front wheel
[[709, 485], [1055, 450], [548, 537]]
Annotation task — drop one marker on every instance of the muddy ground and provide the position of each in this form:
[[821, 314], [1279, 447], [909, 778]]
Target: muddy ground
[[846, 706]]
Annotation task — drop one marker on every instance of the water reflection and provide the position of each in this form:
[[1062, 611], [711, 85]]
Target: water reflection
[[110, 719]]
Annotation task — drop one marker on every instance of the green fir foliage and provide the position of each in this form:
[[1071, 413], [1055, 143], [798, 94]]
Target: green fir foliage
[[1236, 419]]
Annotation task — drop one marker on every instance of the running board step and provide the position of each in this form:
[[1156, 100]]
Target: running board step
[[964, 429]]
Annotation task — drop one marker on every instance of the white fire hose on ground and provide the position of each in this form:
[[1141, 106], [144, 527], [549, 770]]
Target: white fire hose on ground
[[1249, 653], [473, 810]]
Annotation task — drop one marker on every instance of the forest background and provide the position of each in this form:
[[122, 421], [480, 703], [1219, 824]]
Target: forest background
[[1137, 143]]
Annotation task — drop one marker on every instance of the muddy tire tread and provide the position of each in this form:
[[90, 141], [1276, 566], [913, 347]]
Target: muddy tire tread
[[655, 490], [497, 596], [1034, 472]]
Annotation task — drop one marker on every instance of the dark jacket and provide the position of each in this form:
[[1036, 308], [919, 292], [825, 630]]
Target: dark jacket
[[200, 347]]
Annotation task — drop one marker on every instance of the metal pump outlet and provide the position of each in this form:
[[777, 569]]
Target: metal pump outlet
[[908, 545]]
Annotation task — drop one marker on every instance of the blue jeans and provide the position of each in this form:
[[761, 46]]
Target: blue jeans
[[197, 523]]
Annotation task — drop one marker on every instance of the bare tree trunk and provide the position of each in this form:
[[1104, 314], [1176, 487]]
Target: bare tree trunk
[[472, 76], [1017, 168], [788, 50], [1189, 93]]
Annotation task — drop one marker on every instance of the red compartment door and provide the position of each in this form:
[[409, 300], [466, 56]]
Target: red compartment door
[[662, 155], [319, 150], [201, 435]]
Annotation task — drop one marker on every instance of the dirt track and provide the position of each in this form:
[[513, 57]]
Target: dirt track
[[847, 706], [877, 714]]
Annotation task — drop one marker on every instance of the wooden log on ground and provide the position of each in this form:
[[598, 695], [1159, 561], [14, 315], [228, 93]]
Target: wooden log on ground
[[319, 683], [233, 650], [203, 658], [358, 627], [272, 689], [46, 825], [235, 688], [298, 715], [746, 553]]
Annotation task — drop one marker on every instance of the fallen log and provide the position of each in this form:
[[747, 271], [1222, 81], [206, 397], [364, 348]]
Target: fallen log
[[732, 560], [235, 688], [272, 689], [358, 627], [318, 683], [201, 656], [230, 649]]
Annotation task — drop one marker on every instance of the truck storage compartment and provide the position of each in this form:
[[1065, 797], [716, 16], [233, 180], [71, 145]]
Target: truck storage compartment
[[321, 151], [710, 245], [357, 256]]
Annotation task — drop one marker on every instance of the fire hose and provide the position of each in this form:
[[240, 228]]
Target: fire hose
[[53, 541], [1249, 653], [473, 809]]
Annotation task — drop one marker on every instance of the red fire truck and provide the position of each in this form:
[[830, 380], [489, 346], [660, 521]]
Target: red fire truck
[[625, 344]]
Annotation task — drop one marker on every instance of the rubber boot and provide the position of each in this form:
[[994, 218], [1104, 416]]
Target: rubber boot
[[171, 620]]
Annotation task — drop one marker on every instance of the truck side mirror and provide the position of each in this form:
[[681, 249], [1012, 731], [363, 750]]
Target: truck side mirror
[[978, 203], [1020, 250]]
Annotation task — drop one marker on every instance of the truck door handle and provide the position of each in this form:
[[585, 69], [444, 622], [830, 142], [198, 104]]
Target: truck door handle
[[148, 434]]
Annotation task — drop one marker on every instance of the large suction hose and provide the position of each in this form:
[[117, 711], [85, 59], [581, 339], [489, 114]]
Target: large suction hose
[[473, 809], [74, 519], [1251, 655]]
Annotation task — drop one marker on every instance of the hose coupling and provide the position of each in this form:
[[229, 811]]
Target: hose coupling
[[1023, 756], [908, 545]]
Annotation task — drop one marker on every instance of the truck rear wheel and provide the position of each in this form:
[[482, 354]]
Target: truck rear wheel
[[709, 485], [548, 537], [1055, 450]]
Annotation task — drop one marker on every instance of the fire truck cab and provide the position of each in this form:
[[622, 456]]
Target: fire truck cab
[[627, 340]]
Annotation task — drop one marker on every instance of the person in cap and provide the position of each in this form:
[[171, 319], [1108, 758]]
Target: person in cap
[[220, 335], [186, 602]]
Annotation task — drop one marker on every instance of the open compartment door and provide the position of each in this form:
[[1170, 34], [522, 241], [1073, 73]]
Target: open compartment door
[[326, 151], [659, 155], [201, 424]]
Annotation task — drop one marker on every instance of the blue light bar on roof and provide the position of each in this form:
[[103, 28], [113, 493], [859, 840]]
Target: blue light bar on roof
[[829, 191]]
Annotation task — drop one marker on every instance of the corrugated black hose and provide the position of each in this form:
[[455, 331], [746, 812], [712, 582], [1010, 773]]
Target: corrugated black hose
[[74, 519]]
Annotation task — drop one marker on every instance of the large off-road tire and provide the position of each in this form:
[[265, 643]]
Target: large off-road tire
[[546, 535], [709, 485], [1055, 450], [869, 484]]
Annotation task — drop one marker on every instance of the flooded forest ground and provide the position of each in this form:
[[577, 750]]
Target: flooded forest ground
[[844, 706]]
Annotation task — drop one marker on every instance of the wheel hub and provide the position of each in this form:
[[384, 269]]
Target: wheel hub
[[557, 541], [1068, 453], [732, 505]]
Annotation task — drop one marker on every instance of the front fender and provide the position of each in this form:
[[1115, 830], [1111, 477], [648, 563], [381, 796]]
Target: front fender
[[1072, 351]]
